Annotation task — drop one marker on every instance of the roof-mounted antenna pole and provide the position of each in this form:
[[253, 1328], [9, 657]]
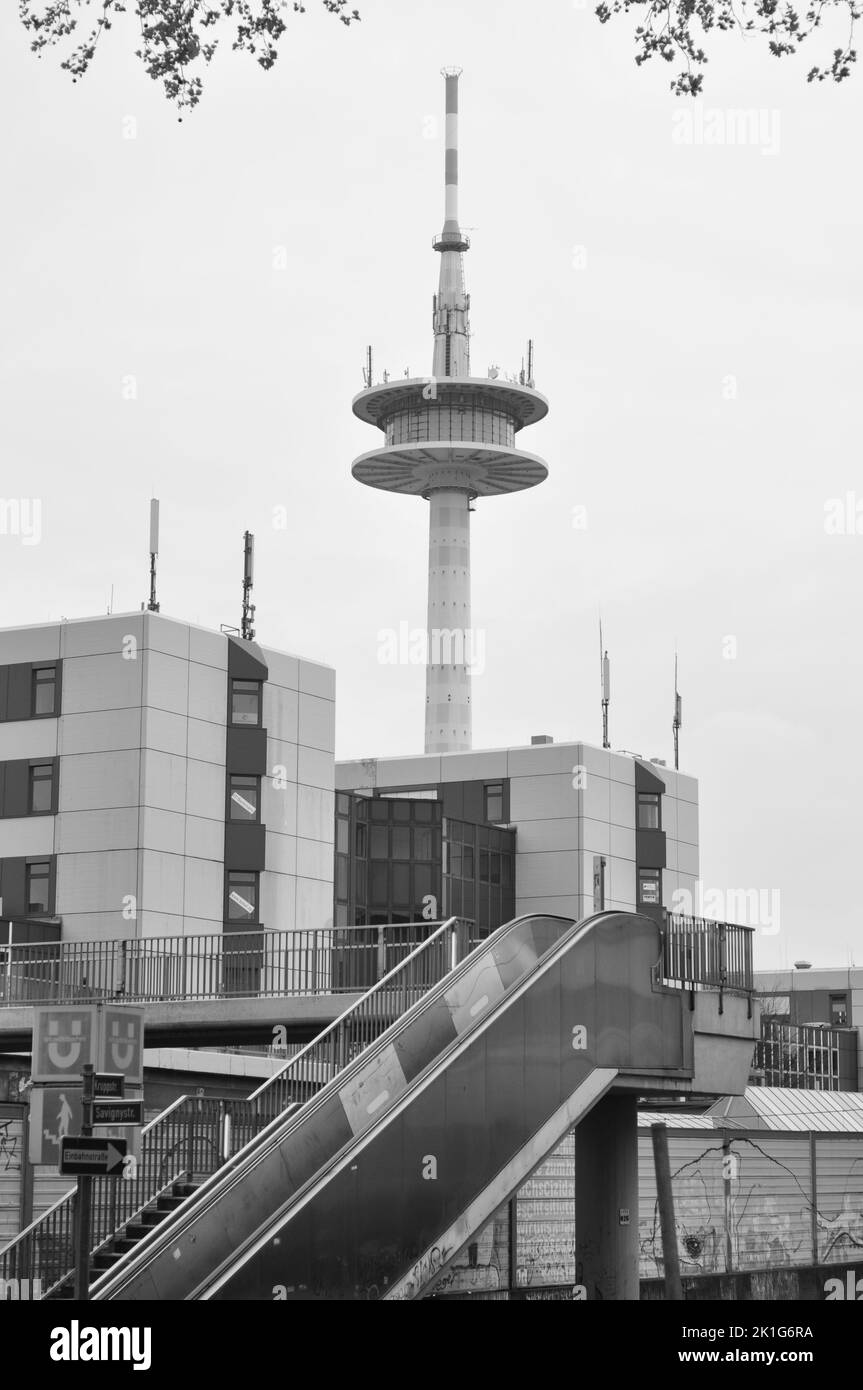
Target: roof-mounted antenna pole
[[605, 673], [367, 369], [530, 380], [153, 606], [678, 717], [247, 631]]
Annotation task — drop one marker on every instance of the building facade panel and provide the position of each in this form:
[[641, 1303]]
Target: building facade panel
[[78, 831], [98, 731], [99, 781], [101, 683]]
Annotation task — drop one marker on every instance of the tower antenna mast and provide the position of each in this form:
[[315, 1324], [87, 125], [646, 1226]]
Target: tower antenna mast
[[678, 717], [605, 677], [247, 630], [153, 606]]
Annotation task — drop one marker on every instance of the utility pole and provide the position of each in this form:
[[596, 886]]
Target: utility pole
[[670, 1257], [82, 1205]]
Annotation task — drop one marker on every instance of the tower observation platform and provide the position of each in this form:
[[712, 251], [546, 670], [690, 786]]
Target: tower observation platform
[[450, 438]]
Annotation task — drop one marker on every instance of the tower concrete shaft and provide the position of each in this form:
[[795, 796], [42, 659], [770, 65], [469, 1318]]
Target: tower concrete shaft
[[451, 651], [450, 438]]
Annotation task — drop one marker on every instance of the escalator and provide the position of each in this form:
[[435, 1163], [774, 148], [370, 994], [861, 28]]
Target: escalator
[[373, 1186]]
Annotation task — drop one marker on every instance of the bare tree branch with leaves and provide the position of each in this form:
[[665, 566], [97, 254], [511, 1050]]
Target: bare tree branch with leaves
[[674, 30], [178, 38]]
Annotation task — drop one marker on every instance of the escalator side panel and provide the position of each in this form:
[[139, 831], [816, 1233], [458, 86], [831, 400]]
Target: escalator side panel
[[491, 1103]]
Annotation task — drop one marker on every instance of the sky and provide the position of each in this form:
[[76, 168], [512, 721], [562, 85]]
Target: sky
[[186, 308]]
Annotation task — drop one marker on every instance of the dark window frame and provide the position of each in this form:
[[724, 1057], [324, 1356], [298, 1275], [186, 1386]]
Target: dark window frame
[[254, 777], [234, 879], [36, 684], [489, 790], [648, 799], [842, 1001], [32, 779], [233, 683], [651, 876], [46, 877]]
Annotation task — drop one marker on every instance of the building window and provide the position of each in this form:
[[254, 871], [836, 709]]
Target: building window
[[649, 811], [41, 797], [649, 887], [246, 702], [38, 889], [494, 801], [44, 689], [242, 896], [839, 1010], [244, 797]]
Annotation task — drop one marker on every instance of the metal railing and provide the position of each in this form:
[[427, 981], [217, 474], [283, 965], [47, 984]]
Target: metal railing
[[700, 954], [221, 965], [806, 1056], [197, 1135]]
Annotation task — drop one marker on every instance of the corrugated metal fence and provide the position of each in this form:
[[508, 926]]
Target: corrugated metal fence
[[754, 1199]]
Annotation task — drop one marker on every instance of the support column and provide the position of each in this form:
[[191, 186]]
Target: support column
[[450, 639], [606, 1189]]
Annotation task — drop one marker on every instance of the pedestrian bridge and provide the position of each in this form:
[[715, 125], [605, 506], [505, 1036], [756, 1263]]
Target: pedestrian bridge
[[217, 989]]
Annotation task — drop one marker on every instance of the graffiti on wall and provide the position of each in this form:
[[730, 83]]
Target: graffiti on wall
[[10, 1155]]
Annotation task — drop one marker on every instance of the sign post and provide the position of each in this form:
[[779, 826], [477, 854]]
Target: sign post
[[82, 1206]]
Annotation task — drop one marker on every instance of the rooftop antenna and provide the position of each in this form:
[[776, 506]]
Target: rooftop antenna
[[153, 606], [605, 674], [530, 381], [367, 369], [247, 631], [678, 717]]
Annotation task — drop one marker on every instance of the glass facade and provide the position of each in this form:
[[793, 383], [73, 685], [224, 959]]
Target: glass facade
[[469, 421], [479, 874], [399, 860]]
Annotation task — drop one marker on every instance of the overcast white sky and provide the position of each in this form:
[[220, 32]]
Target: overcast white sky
[[650, 272]]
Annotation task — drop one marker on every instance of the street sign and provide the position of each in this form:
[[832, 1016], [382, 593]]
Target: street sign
[[55, 1112], [109, 1085], [64, 1038], [96, 1158], [118, 1112]]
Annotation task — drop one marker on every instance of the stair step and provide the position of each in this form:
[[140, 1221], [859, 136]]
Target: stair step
[[105, 1260]]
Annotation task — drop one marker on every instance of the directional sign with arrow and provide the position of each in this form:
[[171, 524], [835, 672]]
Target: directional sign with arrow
[[96, 1158]]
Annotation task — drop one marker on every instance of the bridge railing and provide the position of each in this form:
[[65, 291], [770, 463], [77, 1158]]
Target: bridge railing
[[701, 954], [197, 1135], [236, 964]]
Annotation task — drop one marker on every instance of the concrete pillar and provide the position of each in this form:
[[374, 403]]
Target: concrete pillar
[[450, 640], [606, 1193]]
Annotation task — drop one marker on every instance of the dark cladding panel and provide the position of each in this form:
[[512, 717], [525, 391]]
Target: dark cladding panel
[[650, 849], [245, 846], [246, 750], [13, 887], [646, 779], [19, 700], [16, 792], [246, 661]]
